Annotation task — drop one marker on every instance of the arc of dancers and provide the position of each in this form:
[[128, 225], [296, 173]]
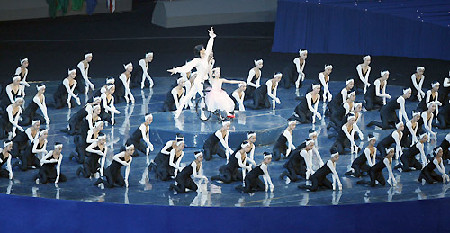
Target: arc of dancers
[[30, 145]]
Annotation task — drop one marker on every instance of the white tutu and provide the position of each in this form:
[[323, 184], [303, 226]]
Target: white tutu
[[217, 99]]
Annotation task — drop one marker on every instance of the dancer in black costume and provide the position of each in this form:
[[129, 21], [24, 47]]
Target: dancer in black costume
[[65, 92], [76, 120], [5, 159], [230, 172], [50, 170], [375, 96], [306, 111], [238, 96], [252, 182], [431, 96], [30, 113], [112, 174], [284, 144], [376, 171], [184, 179], [254, 79], [108, 110], [174, 96], [167, 167], [294, 72], [296, 164], [95, 158], [319, 179], [408, 158], [141, 136], [428, 173], [388, 115], [30, 158], [267, 93], [10, 123], [417, 94], [211, 145], [23, 138], [394, 137], [363, 71], [366, 160]]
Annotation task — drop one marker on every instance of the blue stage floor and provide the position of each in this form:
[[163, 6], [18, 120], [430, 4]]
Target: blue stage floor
[[163, 128]]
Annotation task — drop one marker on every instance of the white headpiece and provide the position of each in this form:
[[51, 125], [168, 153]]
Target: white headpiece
[[422, 135], [16, 77], [435, 84], [397, 126], [292, 122], [224, 123], [351, 116], [87, 55], [98, 123], [437, 149], [313, 133], [42, 132], [420, 68], [96, 106], [7, 143], [58, 145], [18, 99], [242, 84], [179, 137], [267, 155], [69, 71], [40, 87], [129, 147], [258, 62], [406, 90], [149, 54], [100, 137], [97, 98], [23, 60], [334, 155], [110, 80], [278, 75], [197, 154], [148, 116], [349, 81], [127, 66], [179, 142], [371, 137], [357, 104], [328, 67], [308, 142], [415, 113], [245, 144], [351, 93], [35, 121], [182, 79], [109, 86], [367, 57], [384, 72], [389, 150], [250, 134], [301, 52], [434, 102], [315, 86]]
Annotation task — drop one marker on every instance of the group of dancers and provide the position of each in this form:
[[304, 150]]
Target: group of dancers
[[301, 162]]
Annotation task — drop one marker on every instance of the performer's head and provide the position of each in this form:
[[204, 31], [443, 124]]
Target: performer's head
[[267, 158], [88, 57], [438, 152], [349, 83], [251, 136], [7, 145], [198, 155], [371, 139], [367, 59], [420, 70], [334, 155], [199, 51], [24, 62], [259, 63], [303, 53]]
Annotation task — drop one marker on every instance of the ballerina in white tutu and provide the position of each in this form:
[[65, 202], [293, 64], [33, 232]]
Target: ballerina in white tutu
[[218, 99]]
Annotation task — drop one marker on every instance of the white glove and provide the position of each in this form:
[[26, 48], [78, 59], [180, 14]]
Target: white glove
[[318, 116], [132, 99], [127, 99], [277, 100], [126, 183], [272, 187], [20, 128], [388, 96], [78, 100], [151, 147]]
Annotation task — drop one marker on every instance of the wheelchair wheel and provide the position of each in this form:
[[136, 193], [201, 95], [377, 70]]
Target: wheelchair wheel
[[201, 109]]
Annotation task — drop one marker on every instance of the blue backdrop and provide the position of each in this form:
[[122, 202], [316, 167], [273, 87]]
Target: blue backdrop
[[339, 29], [27, 214]]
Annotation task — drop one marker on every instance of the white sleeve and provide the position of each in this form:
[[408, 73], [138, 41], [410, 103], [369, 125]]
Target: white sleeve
[[446, 82], [252, 153], [239, 159], [377, 84], [42, 106], [105, 104], [35, 150], [117, 159], [266, 176], [402, 111], [360, 74], [322, 80], [127, 172], [68, 89], [102, 161], [251, 74], [90, 137], [389, 168], [195, 174], [319, 158], [14, 121], [288, 136], [368, 157], [428, 96], [83, 71], [414, 82], [8, 91], [333, 171], [426, 123], [187, 67], [91, 149], [308, 160], [209, 46], [175, 98], [269, 89], [9, 167], [222, 141], [439, 167], [44, 159], [356, 129], [309, 101], [18, 71], [144, 135], [412, 132], [423, 156], [58, 167], [172, 158], [349, 136], [344, 95], [144, 67], [398, 148]]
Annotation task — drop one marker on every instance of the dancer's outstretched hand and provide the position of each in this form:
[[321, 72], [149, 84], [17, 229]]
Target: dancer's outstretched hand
[[211, 33]]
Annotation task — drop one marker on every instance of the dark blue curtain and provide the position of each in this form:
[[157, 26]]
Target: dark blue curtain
[[323, 28]]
